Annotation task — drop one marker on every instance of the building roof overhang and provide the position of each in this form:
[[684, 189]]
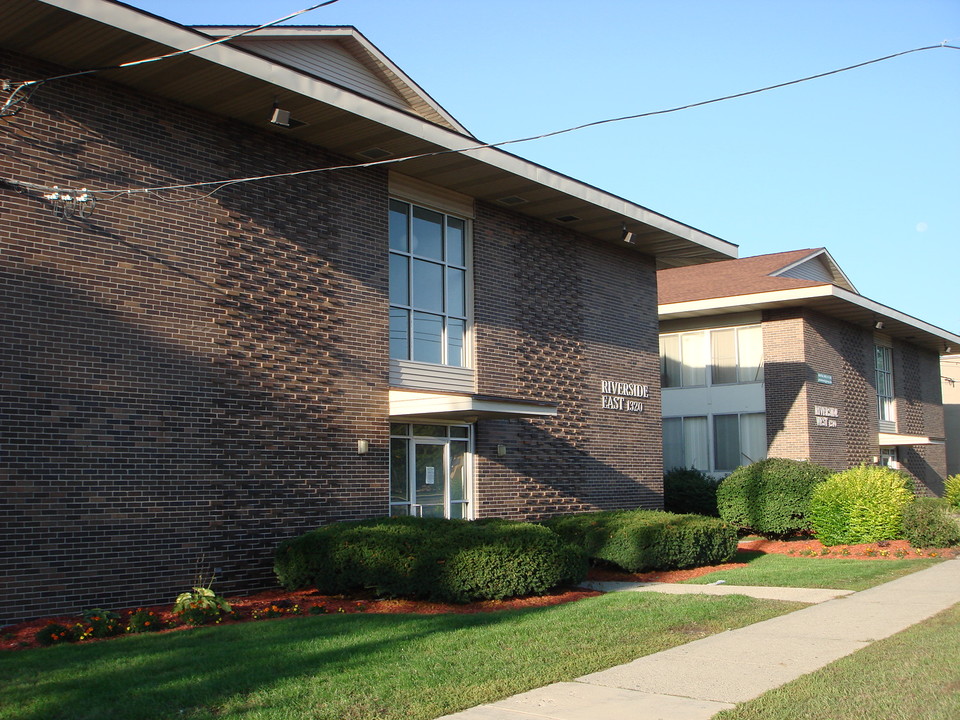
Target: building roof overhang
[[415, 404], [233, 82], [829, 300], [894, 439]]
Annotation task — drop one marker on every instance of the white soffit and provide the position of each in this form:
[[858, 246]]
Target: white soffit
[[409, 404], [890, 439]]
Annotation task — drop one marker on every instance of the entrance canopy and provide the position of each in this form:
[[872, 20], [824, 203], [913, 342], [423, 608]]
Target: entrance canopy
[[465, 407]]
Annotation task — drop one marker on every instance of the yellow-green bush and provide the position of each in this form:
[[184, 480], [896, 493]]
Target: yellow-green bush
[[951, 491], [860, 505]]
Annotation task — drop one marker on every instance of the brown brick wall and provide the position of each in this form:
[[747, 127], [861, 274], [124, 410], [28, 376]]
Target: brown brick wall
[[785, 384], [184, 379], [555, 315]]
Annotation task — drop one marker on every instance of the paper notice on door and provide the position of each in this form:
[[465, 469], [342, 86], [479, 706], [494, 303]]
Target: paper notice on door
[[429, 479]]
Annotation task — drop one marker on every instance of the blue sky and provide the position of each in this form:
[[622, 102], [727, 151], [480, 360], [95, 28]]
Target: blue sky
[[864, 163]]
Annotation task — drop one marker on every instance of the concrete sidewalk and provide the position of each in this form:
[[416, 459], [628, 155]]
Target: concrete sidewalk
[[703, 677]]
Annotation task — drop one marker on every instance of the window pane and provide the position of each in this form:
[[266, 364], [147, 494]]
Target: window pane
[[696, 452], [430, 430], [672, 443], [398, 226], [455, 253], [670, 368], [457, 511], [427, 338], [427, 233], [399, 429], [455, 332], [691, 349], [399, 474], [396, 510], [723, 357], [750, 348], [457, 474], [399, 280], [726, 441], [427, 286], [459, 432], [456, 304], [753, 438], [399, 334]]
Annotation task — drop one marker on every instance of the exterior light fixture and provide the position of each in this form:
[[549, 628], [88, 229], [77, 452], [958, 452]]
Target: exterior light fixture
[[501, 450], [878, 325], [282, 118], [363, 447], [627, 236]]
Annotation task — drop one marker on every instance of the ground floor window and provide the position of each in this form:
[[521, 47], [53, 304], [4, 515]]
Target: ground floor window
[[714, 443], [430, 470], [890, 457]]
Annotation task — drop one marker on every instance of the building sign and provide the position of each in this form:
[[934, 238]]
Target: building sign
[[824, 378], [627, 397], [826, 416]]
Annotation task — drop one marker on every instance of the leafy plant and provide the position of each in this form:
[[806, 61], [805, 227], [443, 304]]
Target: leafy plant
[[201, 605], [98, 623], [951, 491], [143, 621], [54, 633], [929, 523], [860, 505], [688, 490], [771, 496]]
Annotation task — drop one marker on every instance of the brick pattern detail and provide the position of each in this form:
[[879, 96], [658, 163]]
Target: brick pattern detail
[[919, 408], [578, 313], [785, 385], [183, 382]]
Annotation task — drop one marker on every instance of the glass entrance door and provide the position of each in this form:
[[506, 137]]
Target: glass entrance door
[[430, 470], [429, 478]]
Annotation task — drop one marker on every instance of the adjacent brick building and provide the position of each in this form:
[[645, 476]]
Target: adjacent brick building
[[779, 355], [190, 375]]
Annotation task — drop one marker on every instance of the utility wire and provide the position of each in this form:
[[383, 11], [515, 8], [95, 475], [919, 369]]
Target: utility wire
[[221, 184], [21, 93]]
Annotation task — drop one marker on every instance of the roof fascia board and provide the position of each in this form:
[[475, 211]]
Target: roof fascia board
[[783, 297], [179, 37]]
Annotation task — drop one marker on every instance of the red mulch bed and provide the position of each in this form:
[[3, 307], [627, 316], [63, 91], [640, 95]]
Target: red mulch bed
[[21, 636]]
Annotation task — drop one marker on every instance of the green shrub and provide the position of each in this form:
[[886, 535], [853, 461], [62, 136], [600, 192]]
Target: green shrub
[[444, 560], [951, 491], [53, 633], [930, 523], [98, 623], [643, 540], [142, 621], [688, 490], [201, 605], [860, 505], [771, 496]]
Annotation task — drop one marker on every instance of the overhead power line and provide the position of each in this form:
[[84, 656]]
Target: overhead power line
[[23, 90], [55, 193]]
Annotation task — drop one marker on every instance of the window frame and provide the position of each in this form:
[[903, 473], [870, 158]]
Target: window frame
[[711, 438], [460, 434], [707, 364], [408, 314], [883, 376]]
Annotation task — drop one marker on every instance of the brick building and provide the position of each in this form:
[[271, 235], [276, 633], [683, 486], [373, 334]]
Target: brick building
[[779, 355], [190, 375]]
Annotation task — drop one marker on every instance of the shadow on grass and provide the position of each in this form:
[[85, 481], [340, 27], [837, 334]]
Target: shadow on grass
[[192, 674]]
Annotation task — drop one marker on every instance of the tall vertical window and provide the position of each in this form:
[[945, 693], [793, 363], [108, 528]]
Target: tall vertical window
[[428, 285], [685, 443], [739, 440], [884, 369], [734, 355]]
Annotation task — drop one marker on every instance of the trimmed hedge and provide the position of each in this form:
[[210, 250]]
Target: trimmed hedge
[[430, 558], [688, 490], [931, 523], [771, 496], [860, 505], [644, 540]]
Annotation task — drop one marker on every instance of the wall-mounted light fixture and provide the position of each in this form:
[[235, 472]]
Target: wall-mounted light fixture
[[948, 349], [363, 447], [283, 119], [627, 236], [878, 325], [501, 450]]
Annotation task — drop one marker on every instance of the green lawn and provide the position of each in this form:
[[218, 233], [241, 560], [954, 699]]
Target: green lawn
[[914, 675], [838, 573], [353, 667]]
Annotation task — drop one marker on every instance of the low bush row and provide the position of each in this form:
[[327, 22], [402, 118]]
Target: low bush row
[[644, 540], [434, 559]]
